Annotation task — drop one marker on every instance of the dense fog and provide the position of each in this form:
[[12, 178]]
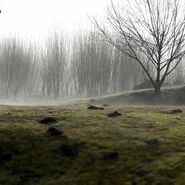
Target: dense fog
[[62, 68]]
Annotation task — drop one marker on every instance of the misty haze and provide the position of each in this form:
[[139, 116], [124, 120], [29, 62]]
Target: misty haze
[[92, 92]]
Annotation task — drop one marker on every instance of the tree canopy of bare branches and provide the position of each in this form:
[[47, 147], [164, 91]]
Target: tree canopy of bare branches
[[152, 29]]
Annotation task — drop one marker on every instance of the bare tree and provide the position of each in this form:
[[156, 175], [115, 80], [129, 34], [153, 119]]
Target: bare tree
[[91, 64], [151, 28], [17, 69], [54, 66]]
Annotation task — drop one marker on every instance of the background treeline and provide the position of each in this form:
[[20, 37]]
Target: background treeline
[[82, 66]]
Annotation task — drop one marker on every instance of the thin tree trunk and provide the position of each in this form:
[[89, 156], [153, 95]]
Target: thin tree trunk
[[157, 90]]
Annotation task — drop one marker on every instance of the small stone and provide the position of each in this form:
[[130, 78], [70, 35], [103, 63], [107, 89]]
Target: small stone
[[93, 107], [48, 120], [176, 111], [52, 131], [110, 155], [105, 105], [70, 150], [142, 173], [114, 114], [152, 141]]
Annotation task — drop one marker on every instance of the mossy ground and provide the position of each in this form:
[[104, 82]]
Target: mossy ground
[[35, 160]]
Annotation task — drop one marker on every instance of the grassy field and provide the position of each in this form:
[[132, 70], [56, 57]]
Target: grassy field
[[144, 146]]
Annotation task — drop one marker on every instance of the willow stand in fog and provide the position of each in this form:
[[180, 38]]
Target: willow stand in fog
[[149, 31]]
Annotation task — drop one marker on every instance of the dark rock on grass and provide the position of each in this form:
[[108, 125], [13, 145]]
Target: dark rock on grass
[[151, 126], [176, 111], [52, 131], [48, 120], [114, 114], [70, 150], [5, 157], [142, 173], [105, 105], [113, 155], [93, 107], [152, 141]]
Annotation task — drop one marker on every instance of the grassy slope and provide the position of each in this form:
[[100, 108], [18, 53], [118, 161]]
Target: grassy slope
[[168, 96], [36, 162]]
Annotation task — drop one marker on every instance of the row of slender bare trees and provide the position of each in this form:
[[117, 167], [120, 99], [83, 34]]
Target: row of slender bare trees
[[84, 66]]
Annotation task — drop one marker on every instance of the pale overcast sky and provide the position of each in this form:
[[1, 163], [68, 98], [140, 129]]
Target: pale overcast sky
[[35, 18]]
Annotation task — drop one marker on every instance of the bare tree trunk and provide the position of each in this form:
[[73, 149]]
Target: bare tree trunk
[[157, 88]]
